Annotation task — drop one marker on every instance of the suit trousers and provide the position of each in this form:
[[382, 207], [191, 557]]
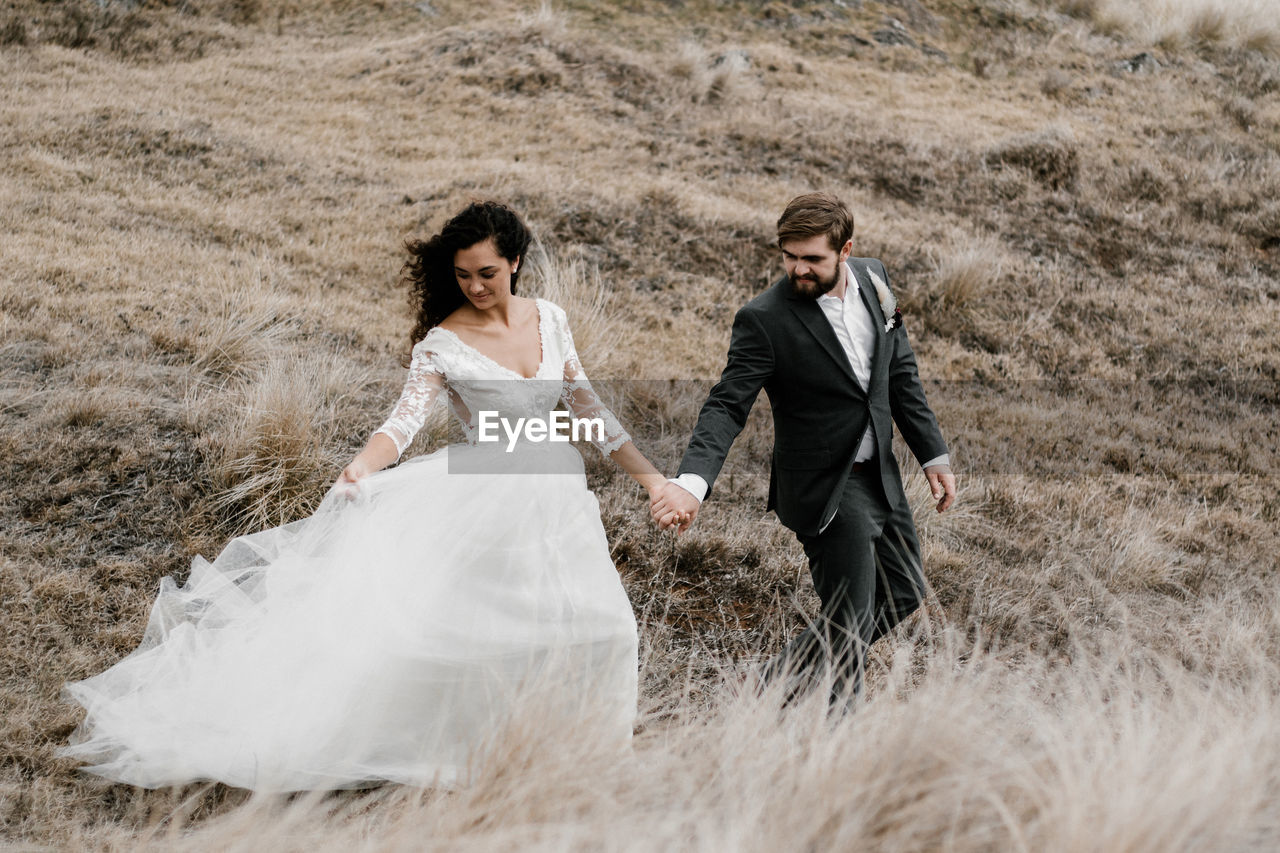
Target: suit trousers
[[866, 570]]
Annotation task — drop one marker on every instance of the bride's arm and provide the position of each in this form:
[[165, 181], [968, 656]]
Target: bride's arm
[[635, 463], [580, 398], [421, 388]]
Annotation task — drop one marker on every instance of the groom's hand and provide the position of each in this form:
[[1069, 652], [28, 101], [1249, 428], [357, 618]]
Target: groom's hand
[[943, 485], [674, 506]]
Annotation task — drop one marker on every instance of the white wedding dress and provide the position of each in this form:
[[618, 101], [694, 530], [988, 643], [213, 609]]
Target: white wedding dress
[[388, 635]]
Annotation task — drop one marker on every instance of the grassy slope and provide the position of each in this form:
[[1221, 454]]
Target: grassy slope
[[201, 208]]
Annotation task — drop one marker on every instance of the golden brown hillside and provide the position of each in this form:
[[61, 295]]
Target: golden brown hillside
[[204, 206]]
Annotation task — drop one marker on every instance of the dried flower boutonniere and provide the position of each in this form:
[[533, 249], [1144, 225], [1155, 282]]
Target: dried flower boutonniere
[[888, 304]]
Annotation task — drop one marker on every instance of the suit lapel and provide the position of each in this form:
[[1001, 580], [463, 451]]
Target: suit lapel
[[819, 326], [871, 299]]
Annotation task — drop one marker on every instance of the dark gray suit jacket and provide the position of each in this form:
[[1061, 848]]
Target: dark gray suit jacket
[[784, 344]]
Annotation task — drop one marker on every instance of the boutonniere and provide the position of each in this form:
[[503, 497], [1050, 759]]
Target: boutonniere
[[888, 304]]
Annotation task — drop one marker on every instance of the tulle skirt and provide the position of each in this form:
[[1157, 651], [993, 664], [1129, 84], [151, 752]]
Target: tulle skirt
[[385, 637]]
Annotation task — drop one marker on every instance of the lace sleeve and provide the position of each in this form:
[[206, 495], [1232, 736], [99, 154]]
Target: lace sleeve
[[580, 398], [424, 384]]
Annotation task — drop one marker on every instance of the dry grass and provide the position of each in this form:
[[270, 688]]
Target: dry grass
[[1248, 24], [205, 205], [958, 749], [234, 340], [286, 443], [960, 282]]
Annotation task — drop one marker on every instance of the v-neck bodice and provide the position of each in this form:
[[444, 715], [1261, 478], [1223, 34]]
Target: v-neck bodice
[[542, 346]]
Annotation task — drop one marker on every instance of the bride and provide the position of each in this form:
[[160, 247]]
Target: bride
[[389, 634]]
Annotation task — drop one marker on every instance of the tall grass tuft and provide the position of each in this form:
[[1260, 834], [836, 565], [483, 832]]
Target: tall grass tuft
[[285, 446], [700, 77], [963, 277], [1249, 24], [232, 341], [1208, 25]]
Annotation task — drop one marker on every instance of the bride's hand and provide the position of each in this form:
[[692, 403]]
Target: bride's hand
[[348, 481]]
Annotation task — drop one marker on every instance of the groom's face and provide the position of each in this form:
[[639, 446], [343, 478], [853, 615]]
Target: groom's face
[[812, 265]]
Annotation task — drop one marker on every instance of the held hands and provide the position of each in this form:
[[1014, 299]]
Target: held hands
[[943, 485], [672, 506]]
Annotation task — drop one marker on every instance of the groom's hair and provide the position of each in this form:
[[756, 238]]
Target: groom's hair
[[816, 213]]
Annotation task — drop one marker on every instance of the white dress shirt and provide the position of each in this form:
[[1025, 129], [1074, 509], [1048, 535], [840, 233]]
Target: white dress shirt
[[855, 329]]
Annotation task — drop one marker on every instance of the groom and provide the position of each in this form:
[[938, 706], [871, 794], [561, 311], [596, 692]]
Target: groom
[[827, 345]]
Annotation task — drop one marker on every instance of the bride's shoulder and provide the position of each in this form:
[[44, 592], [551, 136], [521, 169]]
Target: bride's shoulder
[[552, 310], [436, 341]]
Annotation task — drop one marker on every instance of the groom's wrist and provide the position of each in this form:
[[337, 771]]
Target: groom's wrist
[[691, 483]]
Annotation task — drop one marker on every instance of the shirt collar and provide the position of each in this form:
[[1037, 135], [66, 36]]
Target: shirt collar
[[850, 286]]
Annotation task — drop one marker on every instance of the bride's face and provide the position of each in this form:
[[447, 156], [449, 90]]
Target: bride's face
[[483, 274]]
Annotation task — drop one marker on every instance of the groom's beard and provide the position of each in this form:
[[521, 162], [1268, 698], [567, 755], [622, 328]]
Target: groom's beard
[[814, 286]]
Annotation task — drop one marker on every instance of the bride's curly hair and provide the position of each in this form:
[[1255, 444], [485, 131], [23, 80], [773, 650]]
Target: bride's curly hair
[[433, 288]]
